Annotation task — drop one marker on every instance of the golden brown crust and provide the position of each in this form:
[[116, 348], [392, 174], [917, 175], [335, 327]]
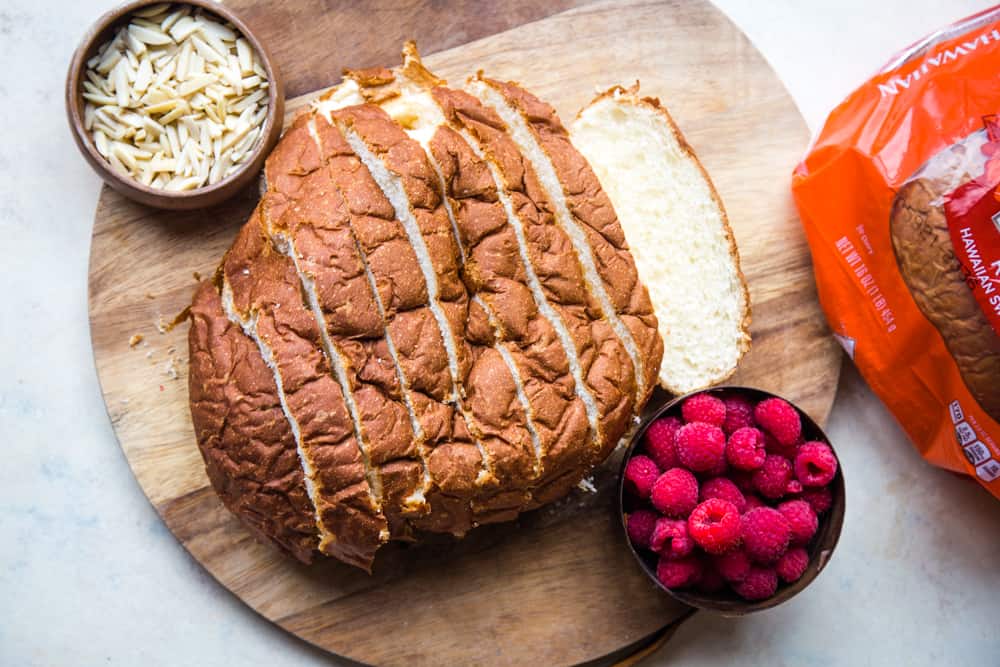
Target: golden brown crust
[[933, 274], [265, 290], [495, 273], [653, 103], [606, 367], [590, 206], [493, 413], [247, 444]]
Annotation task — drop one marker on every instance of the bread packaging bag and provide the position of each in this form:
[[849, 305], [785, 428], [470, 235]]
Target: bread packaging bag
[[900, 201]]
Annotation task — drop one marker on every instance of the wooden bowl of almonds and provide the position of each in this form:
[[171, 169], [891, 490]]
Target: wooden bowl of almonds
[[175, 105]]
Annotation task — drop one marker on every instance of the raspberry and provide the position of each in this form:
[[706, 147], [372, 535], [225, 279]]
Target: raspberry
[[801, 520], [670, 538], [678, 573], [675, 492], [719, 470], [773, 478], [745, 449], [815, 464], [711, 581], [640, 473], [720, 487], [791, 566], [780, 419], [765, 534], [772, 446], [639, 526], [819, 499], [753, 501], [704, 408], [715, 526], [733, 566], [743, 479], [701, 447], [659, 442], [739, 413], [759, 584]]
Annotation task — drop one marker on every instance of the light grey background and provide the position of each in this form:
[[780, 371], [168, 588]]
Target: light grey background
[[90, 576]]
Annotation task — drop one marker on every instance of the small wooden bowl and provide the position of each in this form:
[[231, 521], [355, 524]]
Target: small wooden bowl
[[820, 548], [207, 195]]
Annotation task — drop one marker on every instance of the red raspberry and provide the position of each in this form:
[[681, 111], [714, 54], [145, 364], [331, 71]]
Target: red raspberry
[[720, 487], [791, 566], [675, 492], [774, 447], [733, 566], [801, 520], [711, 581], [759, 584], [743, 479], [753, 501], [745, 449], [765, 534], [670, 538], [821, 499], [815, 464], [639, 526], [659, 442], [701, 447], [640, 473], [773, 478], [704, 408], [678, 573], [780, 419], [715, 526], [739, 413]]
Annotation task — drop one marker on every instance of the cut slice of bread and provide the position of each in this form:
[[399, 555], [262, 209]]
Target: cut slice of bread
[[678, 233]]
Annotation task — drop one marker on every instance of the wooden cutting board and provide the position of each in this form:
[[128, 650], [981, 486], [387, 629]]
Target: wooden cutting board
[[557, 586]]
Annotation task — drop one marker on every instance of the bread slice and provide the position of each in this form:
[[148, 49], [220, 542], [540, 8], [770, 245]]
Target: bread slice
[[678, 233]]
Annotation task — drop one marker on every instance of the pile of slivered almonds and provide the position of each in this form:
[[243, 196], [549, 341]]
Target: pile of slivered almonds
[[176, 100]]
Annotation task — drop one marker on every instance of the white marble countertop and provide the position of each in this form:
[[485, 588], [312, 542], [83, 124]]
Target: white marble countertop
[[89, 575]]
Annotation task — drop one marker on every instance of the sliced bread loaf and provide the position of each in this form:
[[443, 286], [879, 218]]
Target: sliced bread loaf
[[678, 233]]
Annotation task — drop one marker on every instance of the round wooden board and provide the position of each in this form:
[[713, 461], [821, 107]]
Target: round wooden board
[[558, 586]]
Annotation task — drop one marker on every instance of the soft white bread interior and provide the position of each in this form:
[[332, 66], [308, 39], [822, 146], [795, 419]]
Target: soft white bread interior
[[677, 231]]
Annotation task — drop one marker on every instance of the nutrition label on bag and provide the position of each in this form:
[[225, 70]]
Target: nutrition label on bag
[[988, 471], [977, 453]]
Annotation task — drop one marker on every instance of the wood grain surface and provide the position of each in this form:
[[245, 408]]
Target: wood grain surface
[[558, 586]]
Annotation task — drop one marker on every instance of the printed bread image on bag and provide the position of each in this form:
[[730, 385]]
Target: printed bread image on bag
[[945, 227], [899, 199]]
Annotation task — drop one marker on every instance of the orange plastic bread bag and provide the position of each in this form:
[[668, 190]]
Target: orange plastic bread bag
[[900, 202]]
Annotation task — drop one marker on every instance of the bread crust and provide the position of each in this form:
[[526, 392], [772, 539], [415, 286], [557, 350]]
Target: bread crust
[[631, 95], [244, 439], [927, 262], [590, 207]]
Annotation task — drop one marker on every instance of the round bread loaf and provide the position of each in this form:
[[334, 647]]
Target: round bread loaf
[[414, 331]]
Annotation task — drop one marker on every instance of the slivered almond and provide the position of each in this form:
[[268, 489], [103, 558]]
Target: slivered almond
[[148, 35]]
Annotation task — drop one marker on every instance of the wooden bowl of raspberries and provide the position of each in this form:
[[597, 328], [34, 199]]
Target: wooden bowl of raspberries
[[732, 499]]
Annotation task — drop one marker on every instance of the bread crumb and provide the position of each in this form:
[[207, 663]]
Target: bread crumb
[[170, 370], [135, 340], [197, 275], [587, 484], [149, 296], [161, 326]]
